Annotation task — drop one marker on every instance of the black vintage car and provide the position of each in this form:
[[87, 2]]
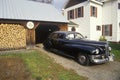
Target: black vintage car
[[75, 45]]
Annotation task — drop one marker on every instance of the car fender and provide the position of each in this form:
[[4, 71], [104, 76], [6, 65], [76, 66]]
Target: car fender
[[81, 48]]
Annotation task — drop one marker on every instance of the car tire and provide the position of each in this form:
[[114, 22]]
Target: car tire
[[47, 44], [83, 59]]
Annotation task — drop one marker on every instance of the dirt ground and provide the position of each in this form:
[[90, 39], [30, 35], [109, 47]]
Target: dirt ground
[[13, 69], [107, 71]]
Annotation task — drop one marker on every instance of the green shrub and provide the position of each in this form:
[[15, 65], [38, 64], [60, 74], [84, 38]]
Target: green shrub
[[102, 38]]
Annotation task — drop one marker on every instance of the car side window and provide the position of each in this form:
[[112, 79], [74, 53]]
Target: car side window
[[54, 36], [61, 36], [78, 36], [70, 36], [74, 36]]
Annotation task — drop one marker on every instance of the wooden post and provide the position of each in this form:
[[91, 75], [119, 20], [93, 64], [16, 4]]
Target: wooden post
[[28, 42], [30, 37]]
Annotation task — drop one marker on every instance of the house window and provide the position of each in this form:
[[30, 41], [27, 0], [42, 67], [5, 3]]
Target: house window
[[79, 12], [93, 11], [71, 14], [98, 28], [107, 30], [118, 5]]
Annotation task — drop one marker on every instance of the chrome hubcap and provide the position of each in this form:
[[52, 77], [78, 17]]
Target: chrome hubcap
[[82, 59]]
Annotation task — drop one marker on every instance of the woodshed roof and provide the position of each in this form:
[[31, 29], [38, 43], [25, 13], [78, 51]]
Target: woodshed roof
[[29, 10]]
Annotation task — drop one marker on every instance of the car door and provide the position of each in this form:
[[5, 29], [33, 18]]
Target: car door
[[55, 40], [67, 43], [60, 41]]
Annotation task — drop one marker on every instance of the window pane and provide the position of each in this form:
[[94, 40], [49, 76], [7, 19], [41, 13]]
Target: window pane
[[107, 30], [71, 14], [54, 36], [93, 11], [70, 36], [68, 15], [79, 12], [118, 5], [98, 28], [61, 36]]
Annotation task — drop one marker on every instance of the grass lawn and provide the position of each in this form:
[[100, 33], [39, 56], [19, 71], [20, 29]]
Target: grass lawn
[[116, 50], [42, 67]]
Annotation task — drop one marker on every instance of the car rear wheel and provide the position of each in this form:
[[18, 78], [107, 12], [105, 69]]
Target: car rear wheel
[[83, 59]]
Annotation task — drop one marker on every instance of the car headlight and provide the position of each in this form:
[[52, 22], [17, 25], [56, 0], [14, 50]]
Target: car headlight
[[109, 48], [96, 51]]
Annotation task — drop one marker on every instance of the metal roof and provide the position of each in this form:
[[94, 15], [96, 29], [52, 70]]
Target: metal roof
[[29, 10]]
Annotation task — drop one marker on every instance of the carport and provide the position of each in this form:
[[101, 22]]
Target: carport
[[30, 22], [43, 30]]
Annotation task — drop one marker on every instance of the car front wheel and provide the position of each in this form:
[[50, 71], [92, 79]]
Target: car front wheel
[[83, 59]]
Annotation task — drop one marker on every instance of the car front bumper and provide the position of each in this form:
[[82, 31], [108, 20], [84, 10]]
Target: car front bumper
[[99, 59]]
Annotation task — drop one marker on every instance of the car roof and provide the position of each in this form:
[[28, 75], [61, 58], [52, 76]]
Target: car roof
[[65, 32]]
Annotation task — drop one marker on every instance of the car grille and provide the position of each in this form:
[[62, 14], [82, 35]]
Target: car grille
[[107, 53]]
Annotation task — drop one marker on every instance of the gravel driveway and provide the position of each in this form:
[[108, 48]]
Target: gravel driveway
[[108, 71]]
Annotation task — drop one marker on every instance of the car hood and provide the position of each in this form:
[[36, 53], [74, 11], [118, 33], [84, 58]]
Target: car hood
[[89, 42]]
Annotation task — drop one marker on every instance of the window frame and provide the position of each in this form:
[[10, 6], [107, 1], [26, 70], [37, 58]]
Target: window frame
[[98, 28], [71, 14], [93, 10], [79, 12], [107, 30], [118, 5]]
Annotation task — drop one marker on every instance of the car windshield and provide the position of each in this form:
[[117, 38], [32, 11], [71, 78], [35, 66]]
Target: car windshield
[[73, 36]]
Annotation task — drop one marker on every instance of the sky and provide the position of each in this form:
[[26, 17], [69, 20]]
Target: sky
[[59, 4]]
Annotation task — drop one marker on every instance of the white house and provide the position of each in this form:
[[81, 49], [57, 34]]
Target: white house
[[95, 18]]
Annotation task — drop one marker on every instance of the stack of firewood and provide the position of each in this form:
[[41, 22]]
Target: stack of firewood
[[12, 36]]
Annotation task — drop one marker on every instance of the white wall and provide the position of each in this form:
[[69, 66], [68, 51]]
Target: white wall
[[87, 24], [106, 14], [96, 21], [110, 17], [83, 22], [118, 23]]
